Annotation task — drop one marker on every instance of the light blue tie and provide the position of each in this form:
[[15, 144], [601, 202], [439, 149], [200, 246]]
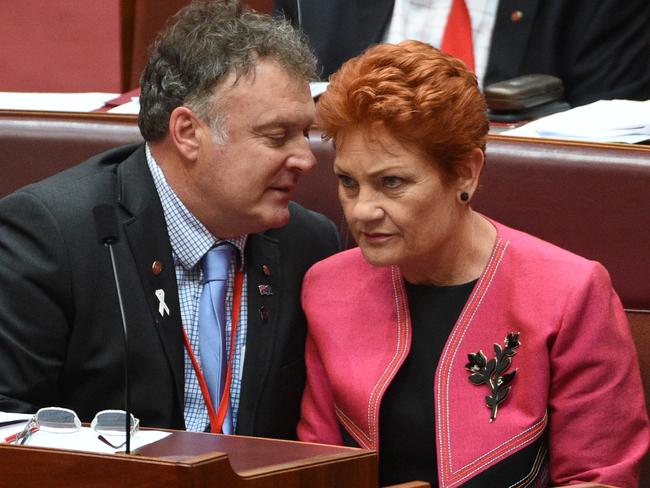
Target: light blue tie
[[212, 324]]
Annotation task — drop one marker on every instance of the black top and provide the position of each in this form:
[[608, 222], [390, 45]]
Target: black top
[[407, 442]]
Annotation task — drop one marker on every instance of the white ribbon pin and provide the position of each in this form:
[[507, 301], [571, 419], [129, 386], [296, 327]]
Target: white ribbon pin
[[162, 306]]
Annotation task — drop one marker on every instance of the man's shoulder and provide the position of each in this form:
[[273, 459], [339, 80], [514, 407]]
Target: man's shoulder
[[91, 180], [100, 165], [308, 233], [64, 202]]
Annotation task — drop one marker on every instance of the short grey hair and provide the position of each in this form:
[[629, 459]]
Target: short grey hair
[[201, 45]]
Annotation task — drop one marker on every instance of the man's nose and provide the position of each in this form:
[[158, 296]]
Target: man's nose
[[301, 158]]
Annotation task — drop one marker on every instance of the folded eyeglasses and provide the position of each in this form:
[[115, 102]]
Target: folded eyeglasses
[[65, 421]]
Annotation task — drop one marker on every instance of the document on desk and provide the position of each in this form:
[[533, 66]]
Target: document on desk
[[56, 102], [132, 107], [317, 88], [86, 440], [83, 440], [8, 422], [602, 121]]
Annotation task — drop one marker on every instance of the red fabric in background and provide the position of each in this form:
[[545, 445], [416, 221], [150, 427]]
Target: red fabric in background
[[60, 46]]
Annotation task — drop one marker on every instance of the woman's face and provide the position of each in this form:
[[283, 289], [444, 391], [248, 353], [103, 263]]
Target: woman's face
[[399, 207]]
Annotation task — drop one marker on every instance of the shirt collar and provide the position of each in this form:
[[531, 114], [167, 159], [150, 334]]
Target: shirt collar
[[189, 238]]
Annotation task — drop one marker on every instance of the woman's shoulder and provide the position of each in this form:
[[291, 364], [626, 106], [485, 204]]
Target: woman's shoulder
[[345, 267], [348, 260], [537, 256]]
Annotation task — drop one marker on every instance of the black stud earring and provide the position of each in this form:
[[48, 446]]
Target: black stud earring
[[464, 196]]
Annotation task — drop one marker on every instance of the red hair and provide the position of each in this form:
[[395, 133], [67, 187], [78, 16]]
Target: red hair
[[426, 99]]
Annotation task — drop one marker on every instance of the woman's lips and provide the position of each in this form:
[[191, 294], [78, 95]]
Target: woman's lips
[[375, 237]]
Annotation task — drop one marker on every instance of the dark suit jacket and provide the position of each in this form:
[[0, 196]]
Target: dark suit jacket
[[59, 317], [599, 49]]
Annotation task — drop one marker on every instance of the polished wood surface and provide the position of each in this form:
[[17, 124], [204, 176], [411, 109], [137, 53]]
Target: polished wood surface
[[188, 459]]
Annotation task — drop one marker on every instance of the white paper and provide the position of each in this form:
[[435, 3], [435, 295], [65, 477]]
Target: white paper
[[12, 429], [132, 107], [318, 87], [602, 121], [5, 416], [84, 440], [57, 102]]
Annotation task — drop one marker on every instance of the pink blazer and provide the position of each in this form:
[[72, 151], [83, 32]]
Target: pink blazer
[[577, 375]]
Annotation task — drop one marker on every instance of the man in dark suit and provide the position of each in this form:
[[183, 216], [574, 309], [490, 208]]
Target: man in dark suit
[[600, 50], [225, 107]]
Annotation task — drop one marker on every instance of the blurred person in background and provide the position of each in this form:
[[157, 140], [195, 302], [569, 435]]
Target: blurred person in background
[[600, 50]]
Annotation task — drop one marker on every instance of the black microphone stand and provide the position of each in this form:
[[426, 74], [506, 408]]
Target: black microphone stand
[[127, 384], [107, 230]]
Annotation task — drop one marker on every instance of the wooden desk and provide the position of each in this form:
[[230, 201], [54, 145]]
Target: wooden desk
[[189, 459]]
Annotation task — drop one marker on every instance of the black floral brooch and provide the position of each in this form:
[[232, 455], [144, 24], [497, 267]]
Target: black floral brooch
[[492, 372]]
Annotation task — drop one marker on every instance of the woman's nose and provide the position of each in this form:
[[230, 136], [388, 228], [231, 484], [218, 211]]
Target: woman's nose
[[366, 207]]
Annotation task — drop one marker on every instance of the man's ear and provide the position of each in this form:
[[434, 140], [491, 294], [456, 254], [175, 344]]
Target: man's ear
[[469, 171], [186, 130]]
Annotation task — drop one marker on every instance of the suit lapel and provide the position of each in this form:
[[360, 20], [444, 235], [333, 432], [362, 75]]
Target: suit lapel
[[263, 268], [149, 243], [373, 18], [510, 35]]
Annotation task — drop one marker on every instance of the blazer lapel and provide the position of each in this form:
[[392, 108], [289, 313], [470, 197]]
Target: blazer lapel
[[373, 18], [263, 268], [149, 243], [510, 35]]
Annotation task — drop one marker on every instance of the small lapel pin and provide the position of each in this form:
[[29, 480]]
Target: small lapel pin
[[162, 306], [156, 267], [264, 314], [266, 270], [265, 290]]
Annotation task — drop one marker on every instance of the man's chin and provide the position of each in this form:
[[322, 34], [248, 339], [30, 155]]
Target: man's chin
[[276, 219]]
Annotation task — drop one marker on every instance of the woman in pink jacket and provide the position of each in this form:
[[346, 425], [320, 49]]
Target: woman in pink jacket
[[465, 352]]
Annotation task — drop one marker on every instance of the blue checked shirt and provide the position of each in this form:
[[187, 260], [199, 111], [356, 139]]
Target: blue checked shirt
[[190, 240]]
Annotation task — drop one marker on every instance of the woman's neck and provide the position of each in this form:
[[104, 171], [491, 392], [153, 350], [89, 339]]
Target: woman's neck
[[462, 258]]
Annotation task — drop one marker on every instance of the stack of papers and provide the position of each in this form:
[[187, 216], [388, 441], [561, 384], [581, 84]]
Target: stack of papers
[[602, 121]]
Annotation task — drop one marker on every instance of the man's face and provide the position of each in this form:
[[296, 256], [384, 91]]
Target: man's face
[[244, 185]]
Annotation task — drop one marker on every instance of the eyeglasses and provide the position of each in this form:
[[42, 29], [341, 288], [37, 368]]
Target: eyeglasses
[[65, 421]]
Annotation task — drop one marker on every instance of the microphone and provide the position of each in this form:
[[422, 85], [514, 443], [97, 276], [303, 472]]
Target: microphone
[[299, 13], [108, 234]]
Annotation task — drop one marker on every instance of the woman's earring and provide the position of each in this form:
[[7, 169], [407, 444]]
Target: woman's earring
[[464, 196]]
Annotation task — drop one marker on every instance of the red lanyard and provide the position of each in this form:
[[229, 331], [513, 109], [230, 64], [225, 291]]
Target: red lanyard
[[217, 418]]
